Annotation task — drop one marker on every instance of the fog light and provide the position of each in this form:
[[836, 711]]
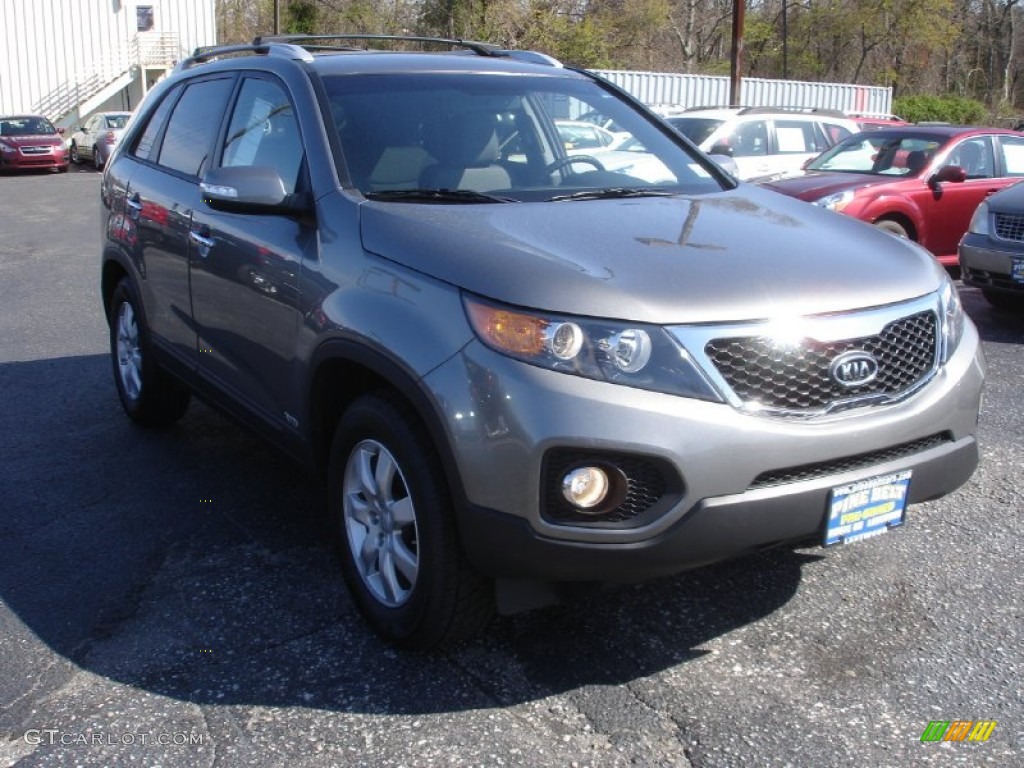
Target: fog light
[[585, 487]]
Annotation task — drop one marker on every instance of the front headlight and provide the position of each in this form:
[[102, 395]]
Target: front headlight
[[7, 148], [979, 221], [633, 354], [835, 202], [952, 318]]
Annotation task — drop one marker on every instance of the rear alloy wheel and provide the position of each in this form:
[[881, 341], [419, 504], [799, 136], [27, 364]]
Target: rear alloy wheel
[[75, 157], [148, 395], [892, 227], [393, 522], [97, 161]]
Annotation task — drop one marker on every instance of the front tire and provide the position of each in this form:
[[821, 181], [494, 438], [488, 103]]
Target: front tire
[[893, 228], [393, 524], [148, 395]]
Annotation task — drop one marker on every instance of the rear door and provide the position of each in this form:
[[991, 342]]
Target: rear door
[[245, 267], [162, 192]]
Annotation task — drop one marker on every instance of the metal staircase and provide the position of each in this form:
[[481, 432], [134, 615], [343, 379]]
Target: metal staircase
[[108, 73]]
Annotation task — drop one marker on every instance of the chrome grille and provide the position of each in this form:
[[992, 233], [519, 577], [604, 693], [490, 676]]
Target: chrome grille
[[37, 150], [1010, 226], [795, 378]]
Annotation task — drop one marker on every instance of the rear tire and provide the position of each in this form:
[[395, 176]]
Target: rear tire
[[148, 394], [75, 157], [97, 161], [394, 527]]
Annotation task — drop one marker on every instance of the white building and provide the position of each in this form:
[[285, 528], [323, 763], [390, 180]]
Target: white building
[[66, 59]]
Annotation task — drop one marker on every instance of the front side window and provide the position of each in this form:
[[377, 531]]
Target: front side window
[[264, 131], [974, 156], [193, 124], [512, 138]]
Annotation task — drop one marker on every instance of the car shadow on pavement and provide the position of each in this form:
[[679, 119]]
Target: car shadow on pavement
[[999, 325], [190, 564]]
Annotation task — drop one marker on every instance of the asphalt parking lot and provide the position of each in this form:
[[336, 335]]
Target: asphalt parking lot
[[165, 599]]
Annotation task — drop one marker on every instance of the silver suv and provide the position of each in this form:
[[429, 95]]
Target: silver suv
[[515, 367]]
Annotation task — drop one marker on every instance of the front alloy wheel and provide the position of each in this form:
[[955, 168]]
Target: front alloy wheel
[[393, 523], [380, 521]]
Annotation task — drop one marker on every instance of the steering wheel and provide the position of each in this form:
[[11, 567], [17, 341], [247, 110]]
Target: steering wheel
[[562, 162]]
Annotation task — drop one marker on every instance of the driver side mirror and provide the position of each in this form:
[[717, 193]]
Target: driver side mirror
[[248, 189], [952, 173]]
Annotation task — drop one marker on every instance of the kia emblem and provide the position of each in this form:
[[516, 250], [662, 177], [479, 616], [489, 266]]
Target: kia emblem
[[854, 369]]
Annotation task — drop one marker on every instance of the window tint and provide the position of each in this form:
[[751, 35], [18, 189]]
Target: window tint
[[1013, 155], [264, 131], [193, 126], [144, 146]]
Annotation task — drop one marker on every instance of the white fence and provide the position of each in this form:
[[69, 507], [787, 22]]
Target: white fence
[[713, 90]]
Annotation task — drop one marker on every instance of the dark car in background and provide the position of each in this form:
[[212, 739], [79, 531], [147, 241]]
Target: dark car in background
[[919, 182], [96, 139], [30, 142], [992, 251]]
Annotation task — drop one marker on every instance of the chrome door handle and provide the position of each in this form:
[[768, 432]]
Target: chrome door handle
[[202, 242]]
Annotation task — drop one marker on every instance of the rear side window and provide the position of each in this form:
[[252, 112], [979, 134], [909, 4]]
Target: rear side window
[[1013, 155], [193, 126], [795, 137], [144, 146]]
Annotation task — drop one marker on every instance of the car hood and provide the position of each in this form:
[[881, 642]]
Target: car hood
[[33, 141], [814, 185], [740, 255]]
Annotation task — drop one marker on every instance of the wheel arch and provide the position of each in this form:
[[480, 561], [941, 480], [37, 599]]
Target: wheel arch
[[112, 274], [341, 371]]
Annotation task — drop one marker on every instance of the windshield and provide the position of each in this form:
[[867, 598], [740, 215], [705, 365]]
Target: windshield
[[696, 129], [26, 126], [880, 154], [508, 138]]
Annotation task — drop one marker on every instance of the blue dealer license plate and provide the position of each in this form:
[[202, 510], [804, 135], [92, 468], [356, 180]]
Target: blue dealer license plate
[[866, 508], [1017, 272]]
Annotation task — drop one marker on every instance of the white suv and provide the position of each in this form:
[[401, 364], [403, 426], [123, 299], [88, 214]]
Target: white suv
[[764, 141]]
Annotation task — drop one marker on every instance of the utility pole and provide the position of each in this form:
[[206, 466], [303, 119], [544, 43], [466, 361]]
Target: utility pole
[[738, 7], [277, 17]]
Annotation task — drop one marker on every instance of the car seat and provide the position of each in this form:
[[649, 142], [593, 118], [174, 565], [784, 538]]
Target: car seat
[[466, 147]]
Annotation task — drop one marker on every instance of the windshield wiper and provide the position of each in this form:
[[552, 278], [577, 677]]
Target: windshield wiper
[[611, 193], [437, 196]]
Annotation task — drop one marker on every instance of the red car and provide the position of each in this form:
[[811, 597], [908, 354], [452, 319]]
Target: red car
[[914, 181], [29, 142]]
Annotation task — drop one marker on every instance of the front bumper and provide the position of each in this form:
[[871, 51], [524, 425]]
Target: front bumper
[[988, 265], [16, 161], [504, 417]]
